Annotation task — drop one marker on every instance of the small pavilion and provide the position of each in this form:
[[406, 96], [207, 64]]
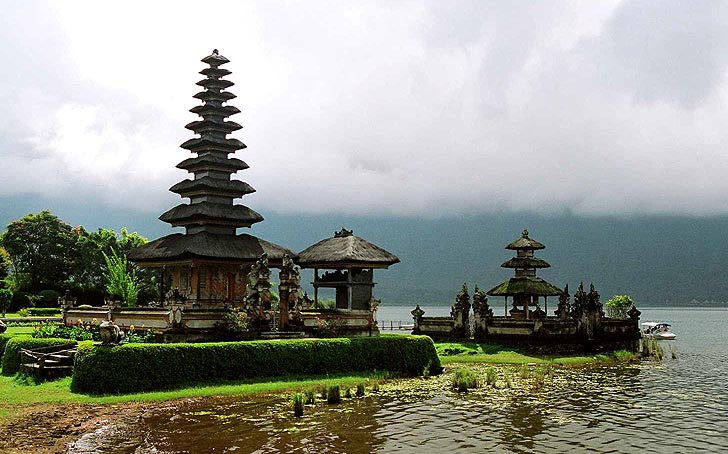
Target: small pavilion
[[525, 287], [351, 262], [207, 265]]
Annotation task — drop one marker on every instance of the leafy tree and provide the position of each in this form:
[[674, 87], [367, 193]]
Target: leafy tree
[[89, 279], [6, 296], [41, 247], [619, 305], [5, 263], [121, 280]]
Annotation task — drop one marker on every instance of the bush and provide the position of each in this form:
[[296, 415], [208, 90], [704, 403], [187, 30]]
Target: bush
[[11, 356], [147, 367], [44, 311], [619, 305], [47, 298]]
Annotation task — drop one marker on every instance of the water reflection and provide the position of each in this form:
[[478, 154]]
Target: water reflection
[[680, 404]]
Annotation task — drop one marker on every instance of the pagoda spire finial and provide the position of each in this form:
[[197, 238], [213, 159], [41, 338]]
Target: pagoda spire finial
[[524, 234]]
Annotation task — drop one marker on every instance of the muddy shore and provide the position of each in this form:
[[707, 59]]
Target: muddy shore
[[50, 428]]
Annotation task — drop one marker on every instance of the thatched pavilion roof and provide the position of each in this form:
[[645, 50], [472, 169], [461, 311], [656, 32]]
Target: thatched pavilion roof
[[344, 248], [525, 262], [526, 285], [524, 242], [205, 245]]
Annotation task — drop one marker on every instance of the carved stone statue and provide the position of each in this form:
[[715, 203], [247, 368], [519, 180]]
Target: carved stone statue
[[580, 303], [257, 289], [482, 312], [417, 314], [593, 301], [460, 311], [563, 310], [110, 334], [289, 287]]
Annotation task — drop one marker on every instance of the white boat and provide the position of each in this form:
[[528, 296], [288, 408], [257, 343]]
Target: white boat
[[658, 330]]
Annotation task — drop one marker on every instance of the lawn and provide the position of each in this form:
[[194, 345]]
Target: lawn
[[472, 352], [19, 330]]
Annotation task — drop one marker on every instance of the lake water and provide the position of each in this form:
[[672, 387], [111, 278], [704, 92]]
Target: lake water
[[677, 405]]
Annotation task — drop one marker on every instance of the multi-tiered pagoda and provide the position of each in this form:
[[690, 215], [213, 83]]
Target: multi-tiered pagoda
[[525, 287], [207, 265]]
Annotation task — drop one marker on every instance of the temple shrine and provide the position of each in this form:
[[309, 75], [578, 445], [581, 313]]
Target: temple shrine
[[525, 287], [207, 265], [351, 261]]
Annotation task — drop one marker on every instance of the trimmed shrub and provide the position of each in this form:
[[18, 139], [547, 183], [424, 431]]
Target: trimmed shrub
[[147, 367], [11, 356], [44, 311]]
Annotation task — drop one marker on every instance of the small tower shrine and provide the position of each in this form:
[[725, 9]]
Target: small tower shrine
[[525, 287], [207, 265], [351, 261]]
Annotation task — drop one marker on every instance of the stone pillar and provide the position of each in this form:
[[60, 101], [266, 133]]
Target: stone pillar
[[460, 312], [290, 280], [482, 313]]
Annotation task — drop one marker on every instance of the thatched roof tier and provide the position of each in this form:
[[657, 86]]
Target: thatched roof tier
[[211, 213], [211, 162], [219, 96], [525, 262], [345, 249], [215, 59], [203, 126], [203, 144], [212, 186], [208, 109], [527, 285], [524, 242], [215, 72], [178, 246], [218, 84]]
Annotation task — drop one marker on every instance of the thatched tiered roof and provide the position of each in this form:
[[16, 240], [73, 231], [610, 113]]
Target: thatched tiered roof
[[212, 191], [525, 282], [525, 243], [527, 285], [343, 249], [205, 245], [211, 218]]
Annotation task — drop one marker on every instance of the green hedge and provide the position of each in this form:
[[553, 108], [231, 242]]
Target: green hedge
[[47, 311], [11, 356], [147, 367]]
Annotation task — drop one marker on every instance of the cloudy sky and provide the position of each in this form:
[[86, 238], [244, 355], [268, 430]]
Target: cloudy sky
[[422, 108]]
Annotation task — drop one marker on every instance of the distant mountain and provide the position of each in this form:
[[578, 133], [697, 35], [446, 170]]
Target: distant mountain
[[659, 260]]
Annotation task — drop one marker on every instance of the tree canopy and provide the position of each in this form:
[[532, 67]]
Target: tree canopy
[[619, 305], [41, 247], [44, 252]]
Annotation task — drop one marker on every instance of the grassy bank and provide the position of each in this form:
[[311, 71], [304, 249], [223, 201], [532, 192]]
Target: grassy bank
[[15, 391], [471, 352]]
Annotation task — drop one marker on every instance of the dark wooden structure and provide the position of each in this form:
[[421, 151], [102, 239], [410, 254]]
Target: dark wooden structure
[[48, 362], [207, 265], [350, 262], [525, 287]]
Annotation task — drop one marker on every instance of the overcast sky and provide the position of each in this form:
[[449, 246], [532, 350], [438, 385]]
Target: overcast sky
[[408, 108]]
